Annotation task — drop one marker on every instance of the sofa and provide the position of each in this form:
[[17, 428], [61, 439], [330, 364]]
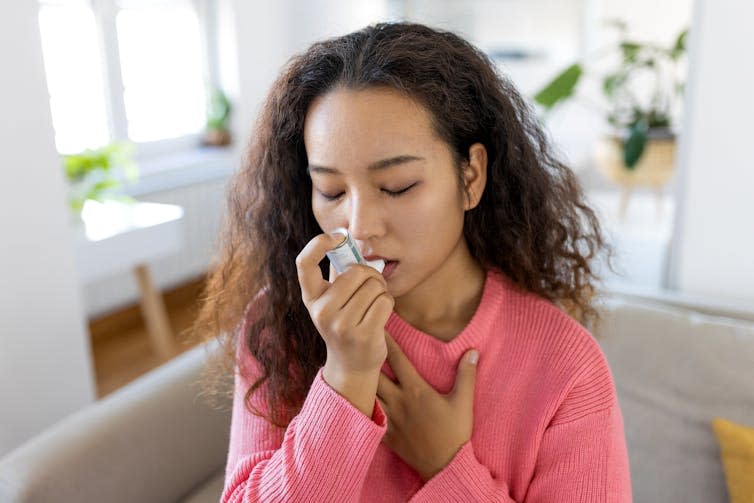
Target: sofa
[[153, 441], [676, 363]]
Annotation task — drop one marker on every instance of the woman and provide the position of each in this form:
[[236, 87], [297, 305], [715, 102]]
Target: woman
[[453, 375]]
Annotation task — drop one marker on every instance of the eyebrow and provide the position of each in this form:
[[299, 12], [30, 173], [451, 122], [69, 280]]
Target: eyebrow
[[375, 166]]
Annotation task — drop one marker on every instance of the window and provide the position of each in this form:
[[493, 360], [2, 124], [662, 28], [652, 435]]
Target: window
[[125, 69]]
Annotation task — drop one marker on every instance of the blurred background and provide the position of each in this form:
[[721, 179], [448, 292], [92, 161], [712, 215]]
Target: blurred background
[[123, 119]]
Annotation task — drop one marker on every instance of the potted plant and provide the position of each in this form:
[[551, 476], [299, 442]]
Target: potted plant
[[218, 113], [98, 174], [641, 92]]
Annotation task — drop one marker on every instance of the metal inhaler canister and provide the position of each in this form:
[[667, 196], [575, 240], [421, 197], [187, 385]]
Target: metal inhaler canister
[[346, 253]]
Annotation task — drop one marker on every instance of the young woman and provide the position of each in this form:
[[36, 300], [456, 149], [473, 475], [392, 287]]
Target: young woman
[[456, 374]]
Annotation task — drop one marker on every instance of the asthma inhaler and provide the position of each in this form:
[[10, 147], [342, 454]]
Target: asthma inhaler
[[346, 253]]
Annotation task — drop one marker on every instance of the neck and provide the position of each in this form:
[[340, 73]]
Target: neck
[[443, 304]]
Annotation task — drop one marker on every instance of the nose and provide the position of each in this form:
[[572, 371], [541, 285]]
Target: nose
[[366, 219]]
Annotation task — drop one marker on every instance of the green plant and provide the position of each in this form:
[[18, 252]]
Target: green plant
[[218, 111], [641, 66], [97, 174]]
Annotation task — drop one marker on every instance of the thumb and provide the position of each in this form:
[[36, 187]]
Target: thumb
[[466, 378]]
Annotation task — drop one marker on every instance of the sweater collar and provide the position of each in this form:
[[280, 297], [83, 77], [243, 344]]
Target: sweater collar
[[413, 340]]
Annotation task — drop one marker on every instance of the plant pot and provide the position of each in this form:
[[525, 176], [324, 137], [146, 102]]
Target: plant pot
[[216, 138], [654, 169]]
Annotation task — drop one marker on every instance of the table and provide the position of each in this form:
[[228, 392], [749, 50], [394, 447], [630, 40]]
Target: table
[[114, 237]]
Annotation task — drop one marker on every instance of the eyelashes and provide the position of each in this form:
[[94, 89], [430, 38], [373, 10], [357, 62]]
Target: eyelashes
[[398, 192], [391, 193]]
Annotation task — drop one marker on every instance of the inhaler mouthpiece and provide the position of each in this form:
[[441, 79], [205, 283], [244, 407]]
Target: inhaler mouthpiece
[[346, 253]]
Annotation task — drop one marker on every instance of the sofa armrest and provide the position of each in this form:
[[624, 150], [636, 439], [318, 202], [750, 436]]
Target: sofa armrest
[[152, 441]]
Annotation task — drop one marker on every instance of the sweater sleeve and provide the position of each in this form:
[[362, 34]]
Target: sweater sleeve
[[584, 460], [323, 454], [581, 461]]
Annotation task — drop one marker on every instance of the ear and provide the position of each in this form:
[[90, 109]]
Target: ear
[[475, 175]]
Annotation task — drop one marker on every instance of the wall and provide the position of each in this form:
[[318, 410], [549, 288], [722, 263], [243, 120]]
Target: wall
[[45, 364], [714, 240]]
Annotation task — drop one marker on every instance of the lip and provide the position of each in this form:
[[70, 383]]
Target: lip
[[375, 257]]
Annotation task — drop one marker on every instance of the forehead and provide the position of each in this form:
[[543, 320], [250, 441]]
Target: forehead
[[365, 124]]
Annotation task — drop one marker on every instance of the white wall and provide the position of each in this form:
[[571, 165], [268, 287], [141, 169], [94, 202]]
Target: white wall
[[45, 364], [714, 241], [261, 40], [268, 33]]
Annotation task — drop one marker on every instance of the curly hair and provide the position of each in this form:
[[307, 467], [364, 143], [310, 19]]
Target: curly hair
[[532, 222]]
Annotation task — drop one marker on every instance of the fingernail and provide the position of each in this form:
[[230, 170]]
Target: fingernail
[[474, 357], [340, 233]]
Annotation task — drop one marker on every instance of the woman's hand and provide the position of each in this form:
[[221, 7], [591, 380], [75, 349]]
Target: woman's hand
[[426, 429], [350, 313]]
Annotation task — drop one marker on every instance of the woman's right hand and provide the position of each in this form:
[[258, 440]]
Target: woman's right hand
[[350, 312]]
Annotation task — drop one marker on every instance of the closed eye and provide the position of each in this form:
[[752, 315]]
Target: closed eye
[[391, 193], [398, 192], [329, 197]]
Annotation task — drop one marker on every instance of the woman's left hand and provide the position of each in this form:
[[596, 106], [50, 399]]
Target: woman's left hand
[[425, 428]]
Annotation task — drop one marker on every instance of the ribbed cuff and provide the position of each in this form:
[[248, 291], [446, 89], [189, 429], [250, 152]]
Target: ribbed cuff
[[463, 479]]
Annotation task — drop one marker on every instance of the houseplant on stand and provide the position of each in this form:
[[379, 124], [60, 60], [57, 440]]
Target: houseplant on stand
[[98, 174], [641, 95]]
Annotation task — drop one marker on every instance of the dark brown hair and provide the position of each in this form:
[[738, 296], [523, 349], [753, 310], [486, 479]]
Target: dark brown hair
[[532, 222]]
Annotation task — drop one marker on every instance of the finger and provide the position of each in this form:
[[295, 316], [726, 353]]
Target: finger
[[358, 305], [313, 285], [333, 274], [379, 312], [383, 405], [350, 282], [351, 311], [463, 390], [386, 412], [387, 390], [403, 368]]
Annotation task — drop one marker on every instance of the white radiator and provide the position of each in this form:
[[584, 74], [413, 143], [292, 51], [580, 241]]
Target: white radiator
[[203, 205]]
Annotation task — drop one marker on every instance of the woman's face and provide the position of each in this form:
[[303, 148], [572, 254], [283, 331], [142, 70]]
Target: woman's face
[[378, 169]]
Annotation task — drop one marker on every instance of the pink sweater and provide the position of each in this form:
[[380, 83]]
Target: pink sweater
[[547, 425]]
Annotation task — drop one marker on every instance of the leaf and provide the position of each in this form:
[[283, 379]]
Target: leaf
[[630, 51], [649, 63], [105, 185], [612, 82], [560, 88], [634, 145], [658, 120], [680, 45]]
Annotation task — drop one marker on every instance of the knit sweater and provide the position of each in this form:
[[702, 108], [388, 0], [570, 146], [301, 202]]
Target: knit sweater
[[547, 425]]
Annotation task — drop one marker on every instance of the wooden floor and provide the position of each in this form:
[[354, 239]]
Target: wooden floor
[[120, 344]]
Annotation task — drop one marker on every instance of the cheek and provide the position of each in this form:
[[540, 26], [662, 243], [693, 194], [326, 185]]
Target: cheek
[[326, 215], [433, 217]]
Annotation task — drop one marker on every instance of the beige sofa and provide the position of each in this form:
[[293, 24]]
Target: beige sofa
[[155, 441], [677, 363]]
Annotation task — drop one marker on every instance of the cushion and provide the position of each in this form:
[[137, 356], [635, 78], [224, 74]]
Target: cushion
[[737, 452], [674, 371]]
